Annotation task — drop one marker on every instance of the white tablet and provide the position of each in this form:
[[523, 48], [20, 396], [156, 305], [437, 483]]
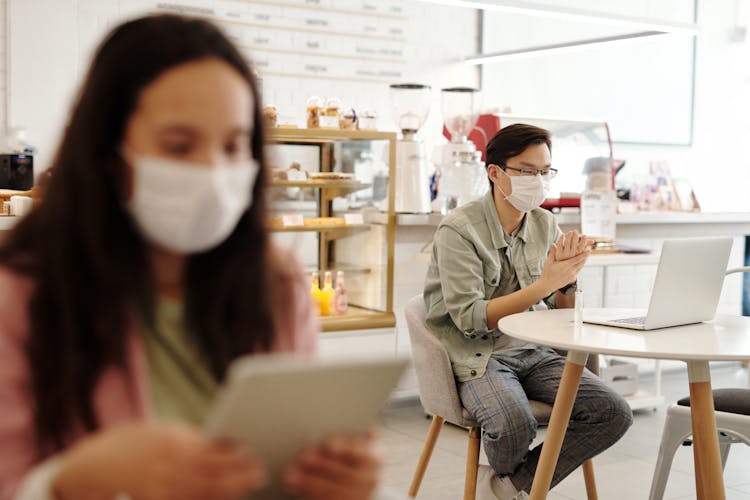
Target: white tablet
[[277, 404]]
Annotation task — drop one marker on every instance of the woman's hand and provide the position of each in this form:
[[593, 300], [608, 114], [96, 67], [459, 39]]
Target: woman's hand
[[571, 244], [341, 468], [156, 461]]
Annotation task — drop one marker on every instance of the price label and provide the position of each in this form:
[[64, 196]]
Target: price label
[[353, 219], [292, 220]]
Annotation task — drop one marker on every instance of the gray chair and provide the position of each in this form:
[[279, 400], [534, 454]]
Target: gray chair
[[439, 397]]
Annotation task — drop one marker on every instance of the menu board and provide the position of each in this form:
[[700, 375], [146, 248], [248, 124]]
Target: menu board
[[344, 40]]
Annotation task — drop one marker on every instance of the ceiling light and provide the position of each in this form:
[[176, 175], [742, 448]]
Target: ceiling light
[[561, 48], [571, 14]]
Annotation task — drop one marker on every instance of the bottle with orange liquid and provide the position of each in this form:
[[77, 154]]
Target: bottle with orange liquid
[[316, 293], [327, 296]]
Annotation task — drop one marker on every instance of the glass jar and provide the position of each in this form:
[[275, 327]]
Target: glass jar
[[314, 109], [368, 120], [348, 120], [329, 117], [461, 181]]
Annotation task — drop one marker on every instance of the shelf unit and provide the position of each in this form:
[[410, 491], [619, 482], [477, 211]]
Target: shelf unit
[[364, 312]]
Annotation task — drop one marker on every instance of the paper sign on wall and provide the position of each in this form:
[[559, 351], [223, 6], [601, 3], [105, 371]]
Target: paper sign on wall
[[598, 211]]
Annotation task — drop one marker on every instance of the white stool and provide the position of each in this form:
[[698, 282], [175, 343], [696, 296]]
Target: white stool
[[732, 421]]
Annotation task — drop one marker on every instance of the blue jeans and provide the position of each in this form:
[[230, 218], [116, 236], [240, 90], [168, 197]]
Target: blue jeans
[[499, 401]]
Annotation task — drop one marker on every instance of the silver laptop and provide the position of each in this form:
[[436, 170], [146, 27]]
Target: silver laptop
[[686, 289]]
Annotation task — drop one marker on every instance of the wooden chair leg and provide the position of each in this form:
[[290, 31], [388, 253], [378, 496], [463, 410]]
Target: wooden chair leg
[[472, 463], [588, 477], [424, 459]]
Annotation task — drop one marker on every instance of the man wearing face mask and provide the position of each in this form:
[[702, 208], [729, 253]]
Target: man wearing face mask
[[497, 256]]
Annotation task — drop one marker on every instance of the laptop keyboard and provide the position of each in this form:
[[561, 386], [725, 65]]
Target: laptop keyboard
[[640, 320]]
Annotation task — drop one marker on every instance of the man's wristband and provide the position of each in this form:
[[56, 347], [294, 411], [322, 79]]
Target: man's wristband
[[569, 289]]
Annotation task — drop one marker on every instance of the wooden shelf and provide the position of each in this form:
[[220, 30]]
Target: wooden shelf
[[347, 268], [332, 232], [318, 134], [334, 187], [357, 319], [369, 269]]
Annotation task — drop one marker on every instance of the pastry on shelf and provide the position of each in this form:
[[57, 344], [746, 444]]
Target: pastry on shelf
[[314, 108], [270, 115], [293, 172]]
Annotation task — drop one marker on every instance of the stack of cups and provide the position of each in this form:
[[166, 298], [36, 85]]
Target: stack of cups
[[20, 205]]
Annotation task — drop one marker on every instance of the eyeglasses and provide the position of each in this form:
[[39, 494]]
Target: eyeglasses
[[544, 172]]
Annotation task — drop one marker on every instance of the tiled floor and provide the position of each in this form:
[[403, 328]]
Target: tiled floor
[[622, 473]]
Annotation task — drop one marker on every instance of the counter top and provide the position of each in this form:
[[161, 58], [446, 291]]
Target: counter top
[[7, 222], [667, 218], [622, 259], [434, 219]]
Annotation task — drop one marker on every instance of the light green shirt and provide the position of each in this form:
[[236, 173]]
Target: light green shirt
[[469, 267], [181, 384]]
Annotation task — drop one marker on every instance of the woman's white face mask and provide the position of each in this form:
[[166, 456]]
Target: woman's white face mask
[[527, 192], [186, 207]]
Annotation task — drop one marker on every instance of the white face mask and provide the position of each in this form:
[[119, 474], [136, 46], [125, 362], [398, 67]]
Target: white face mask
[[186, 207], [527, 192]]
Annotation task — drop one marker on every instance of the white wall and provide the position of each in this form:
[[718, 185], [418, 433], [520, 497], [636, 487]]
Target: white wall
[[720, 163], [642, 89], [46, 70], [716, 163], [3, 61]]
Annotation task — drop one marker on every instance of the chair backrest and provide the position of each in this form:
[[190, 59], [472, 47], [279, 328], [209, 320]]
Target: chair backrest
[[437, 385]]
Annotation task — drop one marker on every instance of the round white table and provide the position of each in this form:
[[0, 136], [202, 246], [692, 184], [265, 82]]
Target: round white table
[[725, 338]]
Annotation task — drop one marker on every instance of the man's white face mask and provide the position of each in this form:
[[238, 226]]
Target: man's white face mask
[[186, 207], [527, 192]]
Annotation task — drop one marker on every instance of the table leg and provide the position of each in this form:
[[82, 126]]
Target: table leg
[[709, 480], [558, 424]]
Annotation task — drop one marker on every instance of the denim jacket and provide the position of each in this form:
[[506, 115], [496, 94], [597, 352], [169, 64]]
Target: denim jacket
[[465, 274]]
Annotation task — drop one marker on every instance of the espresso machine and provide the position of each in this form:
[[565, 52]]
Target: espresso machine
[[410, 107]]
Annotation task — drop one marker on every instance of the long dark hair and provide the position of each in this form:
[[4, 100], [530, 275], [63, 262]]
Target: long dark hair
[[89, 265]]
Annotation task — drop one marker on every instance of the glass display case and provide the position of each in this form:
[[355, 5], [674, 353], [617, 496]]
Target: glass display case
[[581, 151], [331, 201]]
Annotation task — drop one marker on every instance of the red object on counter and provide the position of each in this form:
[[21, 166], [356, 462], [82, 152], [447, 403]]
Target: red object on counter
[[551, 203]]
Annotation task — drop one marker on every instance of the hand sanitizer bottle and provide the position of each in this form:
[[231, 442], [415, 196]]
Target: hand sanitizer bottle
[[342, 301]]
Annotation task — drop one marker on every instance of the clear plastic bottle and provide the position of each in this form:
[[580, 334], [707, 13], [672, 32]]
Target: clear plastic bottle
[[578, 309], [342, 300]]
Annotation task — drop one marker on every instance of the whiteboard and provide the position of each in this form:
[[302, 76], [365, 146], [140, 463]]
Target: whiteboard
[[644, 90]]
